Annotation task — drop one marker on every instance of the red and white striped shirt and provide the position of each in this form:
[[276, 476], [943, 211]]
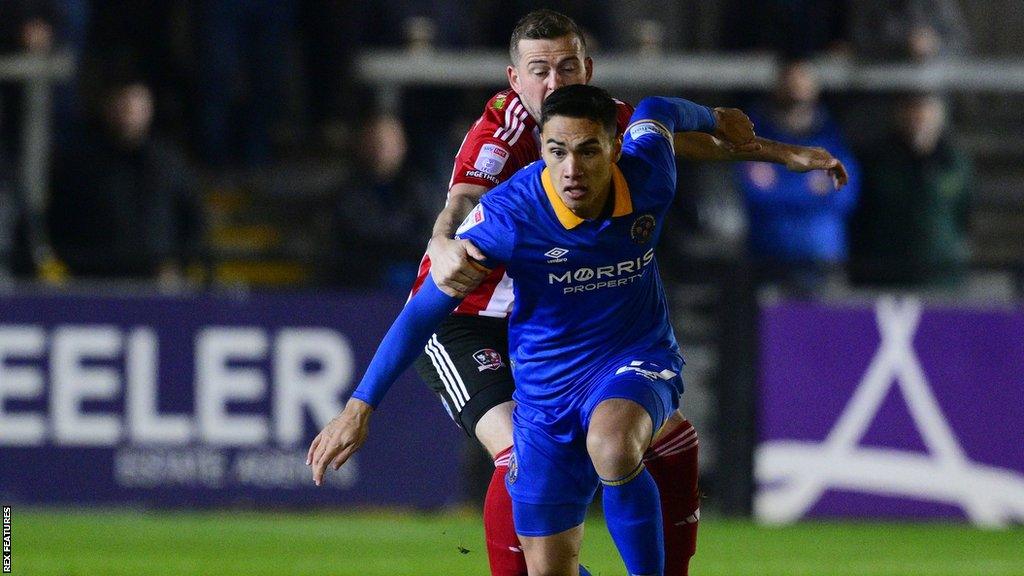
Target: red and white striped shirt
[[504, 139]]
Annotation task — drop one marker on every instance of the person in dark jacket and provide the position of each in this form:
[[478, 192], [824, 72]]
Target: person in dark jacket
[[910, 229], [124, 201]]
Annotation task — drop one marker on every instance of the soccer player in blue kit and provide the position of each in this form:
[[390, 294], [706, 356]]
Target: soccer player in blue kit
[[596, 362]]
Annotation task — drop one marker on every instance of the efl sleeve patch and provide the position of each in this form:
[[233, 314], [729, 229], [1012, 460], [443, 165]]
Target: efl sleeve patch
[[491, 159], [472, 219], [643, 127]]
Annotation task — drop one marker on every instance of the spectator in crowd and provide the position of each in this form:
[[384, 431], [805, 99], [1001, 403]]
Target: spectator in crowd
[[154, 37], [797, 222], [384, 211], [910, 229], [124, 202], [788, 26], [916, 30], [243, 57]]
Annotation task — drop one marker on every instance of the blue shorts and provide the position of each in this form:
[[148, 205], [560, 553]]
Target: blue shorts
[[551, 478]]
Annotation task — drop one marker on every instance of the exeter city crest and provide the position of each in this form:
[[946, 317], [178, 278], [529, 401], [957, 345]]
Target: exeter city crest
[[488, 359]]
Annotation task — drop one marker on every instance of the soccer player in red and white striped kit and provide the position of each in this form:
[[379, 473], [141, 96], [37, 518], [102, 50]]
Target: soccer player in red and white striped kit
[[466, 360]]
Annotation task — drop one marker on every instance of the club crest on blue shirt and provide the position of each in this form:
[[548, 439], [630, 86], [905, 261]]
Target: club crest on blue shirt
[[642, 229], [488, 359]]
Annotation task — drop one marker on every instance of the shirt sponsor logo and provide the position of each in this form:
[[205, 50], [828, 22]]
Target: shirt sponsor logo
[[479, 174], [472, 219], [488, 359], [612, 276], [491, 159]]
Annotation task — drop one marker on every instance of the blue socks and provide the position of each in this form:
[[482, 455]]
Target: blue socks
[[632, 509]]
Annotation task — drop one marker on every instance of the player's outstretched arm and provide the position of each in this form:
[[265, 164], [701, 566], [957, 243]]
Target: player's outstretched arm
[[452, 264], [405, 339], [340, 439], [700, 147], [735, 131], [806, 159]]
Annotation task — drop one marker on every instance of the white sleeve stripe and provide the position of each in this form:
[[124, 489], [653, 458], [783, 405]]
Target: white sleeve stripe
[[513, 118], [522, 127], [508, 120]]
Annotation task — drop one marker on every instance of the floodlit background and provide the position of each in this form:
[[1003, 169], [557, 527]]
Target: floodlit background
[[211, 210]]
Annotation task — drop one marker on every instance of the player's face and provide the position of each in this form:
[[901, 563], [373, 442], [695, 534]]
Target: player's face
[[579, 154], [545, 66]]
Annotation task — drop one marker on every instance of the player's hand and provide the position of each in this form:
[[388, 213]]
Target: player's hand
[[805, 159], [453, 265], [735, 130], [340, 439]]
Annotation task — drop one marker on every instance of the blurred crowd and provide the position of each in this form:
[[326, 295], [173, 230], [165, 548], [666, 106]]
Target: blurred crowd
[[169, 98]]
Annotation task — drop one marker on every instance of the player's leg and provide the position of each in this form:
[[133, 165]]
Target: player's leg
[[672, 461], [621, 416], [555, 555], [504, 550], [494, 429], [619, 433], [466, 364], [552, 484]]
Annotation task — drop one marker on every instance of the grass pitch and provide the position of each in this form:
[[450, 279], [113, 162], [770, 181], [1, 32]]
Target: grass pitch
[[66, 543]]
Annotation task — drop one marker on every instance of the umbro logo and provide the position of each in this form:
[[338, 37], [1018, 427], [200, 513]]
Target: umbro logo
[[556, 255]]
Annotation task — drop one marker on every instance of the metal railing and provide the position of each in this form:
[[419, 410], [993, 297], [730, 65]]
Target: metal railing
[[390, 69]]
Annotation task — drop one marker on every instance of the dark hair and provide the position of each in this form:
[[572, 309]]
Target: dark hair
[[582, 101], [543, 24]]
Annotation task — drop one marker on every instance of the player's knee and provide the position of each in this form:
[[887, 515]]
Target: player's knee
[[551, 565], [614, 453], [553, 555]]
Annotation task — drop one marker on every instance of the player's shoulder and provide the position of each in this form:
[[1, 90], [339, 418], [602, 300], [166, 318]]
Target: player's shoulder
[[505, 117], [624, 111], [519, 192]]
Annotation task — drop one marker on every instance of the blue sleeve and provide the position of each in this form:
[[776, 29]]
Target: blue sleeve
[[656, 119], [490, 228], [404, 341], [674, 114]]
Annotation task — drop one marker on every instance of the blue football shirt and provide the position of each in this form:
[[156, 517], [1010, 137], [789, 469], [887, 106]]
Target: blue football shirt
[[588, 296]]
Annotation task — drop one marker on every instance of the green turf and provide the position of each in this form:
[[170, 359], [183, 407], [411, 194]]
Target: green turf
[[61, 543]]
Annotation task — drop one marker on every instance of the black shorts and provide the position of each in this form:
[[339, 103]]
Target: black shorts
[[466, 363]]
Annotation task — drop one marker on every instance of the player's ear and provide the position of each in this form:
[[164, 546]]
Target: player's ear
[[588, 65], [513, 77], [617, 148]]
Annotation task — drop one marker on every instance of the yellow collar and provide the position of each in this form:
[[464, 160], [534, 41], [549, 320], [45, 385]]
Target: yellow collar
[[623, 200]]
